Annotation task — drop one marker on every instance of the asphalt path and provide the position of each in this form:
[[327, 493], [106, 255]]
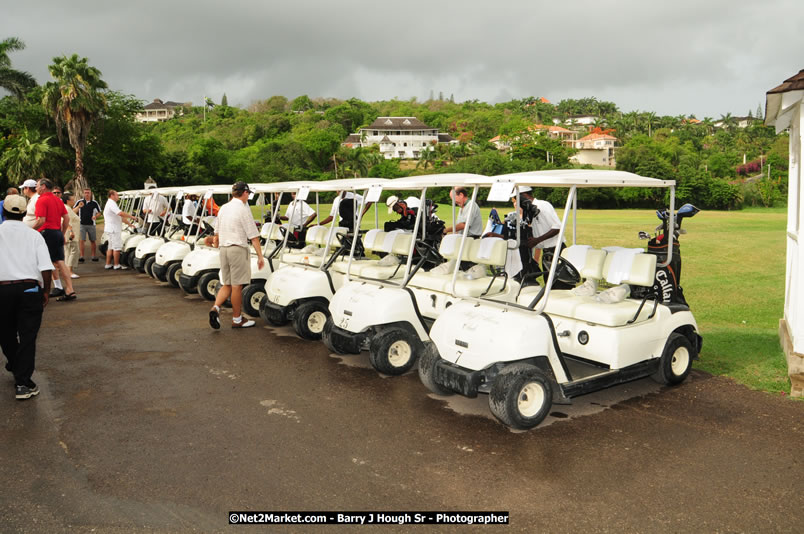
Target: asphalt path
[[149, 421]]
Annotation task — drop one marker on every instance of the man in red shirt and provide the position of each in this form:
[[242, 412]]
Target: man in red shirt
[[52, 220]]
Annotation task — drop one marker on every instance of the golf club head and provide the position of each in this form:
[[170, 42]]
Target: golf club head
[[644, 235], [687, 210]]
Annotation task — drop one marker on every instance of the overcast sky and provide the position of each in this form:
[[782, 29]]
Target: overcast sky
[[702, 57]]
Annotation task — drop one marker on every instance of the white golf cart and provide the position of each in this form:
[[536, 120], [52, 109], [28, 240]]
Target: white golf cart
[[301, 290], [130, 201], [158, 232], [551, 345], [168, 257], [200, 266], [391, 317]]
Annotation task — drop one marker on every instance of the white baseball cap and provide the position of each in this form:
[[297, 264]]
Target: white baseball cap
[[29, 183], [391, 202]]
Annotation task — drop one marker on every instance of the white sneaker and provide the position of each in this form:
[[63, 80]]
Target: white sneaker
[[243, 324], [107, 266], [74, 276], [120, 268], [588, 289]]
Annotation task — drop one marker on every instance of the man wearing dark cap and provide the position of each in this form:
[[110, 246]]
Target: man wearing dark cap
[[234, 228], [25, 270]]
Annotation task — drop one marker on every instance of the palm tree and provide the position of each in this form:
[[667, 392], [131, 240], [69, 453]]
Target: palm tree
[[76, 99], [15, 82], [28, 157], [426, 157], [650, 118]]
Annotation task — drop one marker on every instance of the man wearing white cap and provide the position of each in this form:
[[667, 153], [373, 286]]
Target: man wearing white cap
[[29, 189], [407, 219], [24, 289]]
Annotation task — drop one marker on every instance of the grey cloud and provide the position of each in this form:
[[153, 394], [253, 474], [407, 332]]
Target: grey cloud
[[705, 57]]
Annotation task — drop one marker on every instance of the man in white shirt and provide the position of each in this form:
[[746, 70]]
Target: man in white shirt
[[469, 213], [155, 209], [29, 189], [113, 226], [25, 274], [299, 214], [188, 212], [234, 229]]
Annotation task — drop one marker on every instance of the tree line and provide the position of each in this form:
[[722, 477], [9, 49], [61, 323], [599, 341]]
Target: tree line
[[76, 130]]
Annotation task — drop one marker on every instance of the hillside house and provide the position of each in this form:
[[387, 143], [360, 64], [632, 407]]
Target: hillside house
[[399, 137], [595, 149], [555, 132], [158, 111]]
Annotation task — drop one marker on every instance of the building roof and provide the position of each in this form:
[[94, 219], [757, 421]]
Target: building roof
[[398, 123], [495, 138], [158, 104], [445, 138], [353, 138], [557, 129], [596, 136], [791, 84], [385, 140]]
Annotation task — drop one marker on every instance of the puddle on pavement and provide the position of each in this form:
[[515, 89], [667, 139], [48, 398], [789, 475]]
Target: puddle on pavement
[[354, 360], [282, 331], [581, 406]]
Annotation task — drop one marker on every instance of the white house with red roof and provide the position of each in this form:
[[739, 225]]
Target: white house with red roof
[[399, 137], [555, 132], [595, 149]]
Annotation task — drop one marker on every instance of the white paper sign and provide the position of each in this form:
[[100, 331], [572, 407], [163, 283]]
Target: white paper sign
[[373, 194], [179, 195], [303, 192], [208, 194], [501, 192]]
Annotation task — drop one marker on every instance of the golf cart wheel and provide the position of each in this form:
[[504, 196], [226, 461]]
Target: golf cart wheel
[[208, 285], [173, 274], [130, 255], [427, 364], [309, 319], [149, 264], [394, 351], [252, 296], [521, 396], [676, 361]]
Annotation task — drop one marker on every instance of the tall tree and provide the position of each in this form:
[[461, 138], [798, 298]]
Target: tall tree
[[224, 100], [75, 100], [15, 82]]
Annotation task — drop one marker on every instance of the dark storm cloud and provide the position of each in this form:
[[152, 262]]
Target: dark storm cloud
[[704, 57]]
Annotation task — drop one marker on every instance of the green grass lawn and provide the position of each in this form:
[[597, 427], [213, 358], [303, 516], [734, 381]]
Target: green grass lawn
[[733, 278]]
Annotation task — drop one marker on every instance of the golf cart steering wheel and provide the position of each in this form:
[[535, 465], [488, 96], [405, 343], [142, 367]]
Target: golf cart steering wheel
[[429, 252], [565, 271]]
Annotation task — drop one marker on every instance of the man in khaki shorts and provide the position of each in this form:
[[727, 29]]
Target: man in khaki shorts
[[234, 229]]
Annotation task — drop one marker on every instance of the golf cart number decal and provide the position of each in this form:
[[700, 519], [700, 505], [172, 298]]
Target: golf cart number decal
[[344, 322]]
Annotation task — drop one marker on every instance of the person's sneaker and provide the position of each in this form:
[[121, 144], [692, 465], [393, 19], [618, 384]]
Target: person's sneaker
[[120, 268], [74, 276], [214, 318], [243, 324], [25, 392], [80, 260], [107, 266], [57, 292], [94, 259]]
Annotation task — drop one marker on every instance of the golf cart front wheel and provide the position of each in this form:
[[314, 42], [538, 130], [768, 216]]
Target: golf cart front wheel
[[252, 297], [173, 274], [676, 361], [309, 319], [521, 396], [427, 364], [394, 351], [208, 285], [149, 266]]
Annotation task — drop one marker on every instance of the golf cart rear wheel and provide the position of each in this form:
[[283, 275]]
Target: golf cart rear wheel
[[173, 274], [208, 285], [252, 296], [676, 361], [427, 364], [521, 396], [149, 265], [309, 319], [394, 351]]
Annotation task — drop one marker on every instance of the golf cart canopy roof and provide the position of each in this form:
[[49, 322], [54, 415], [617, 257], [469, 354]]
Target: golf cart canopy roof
[[277, 187], [432, 180], [346, 184], [574, 177]]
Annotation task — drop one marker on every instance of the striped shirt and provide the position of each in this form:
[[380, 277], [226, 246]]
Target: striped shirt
[[235, 224]]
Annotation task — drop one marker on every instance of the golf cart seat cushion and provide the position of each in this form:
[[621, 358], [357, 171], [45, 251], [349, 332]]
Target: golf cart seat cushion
[[401, 243], [274, 232], [465, 287], [591, 260], [322, 236], [489, 251], [563, 303], [382, 272], [373, 239], [450, 245], [641, 272]]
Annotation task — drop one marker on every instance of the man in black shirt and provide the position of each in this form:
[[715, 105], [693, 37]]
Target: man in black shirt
[[88, 210]]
